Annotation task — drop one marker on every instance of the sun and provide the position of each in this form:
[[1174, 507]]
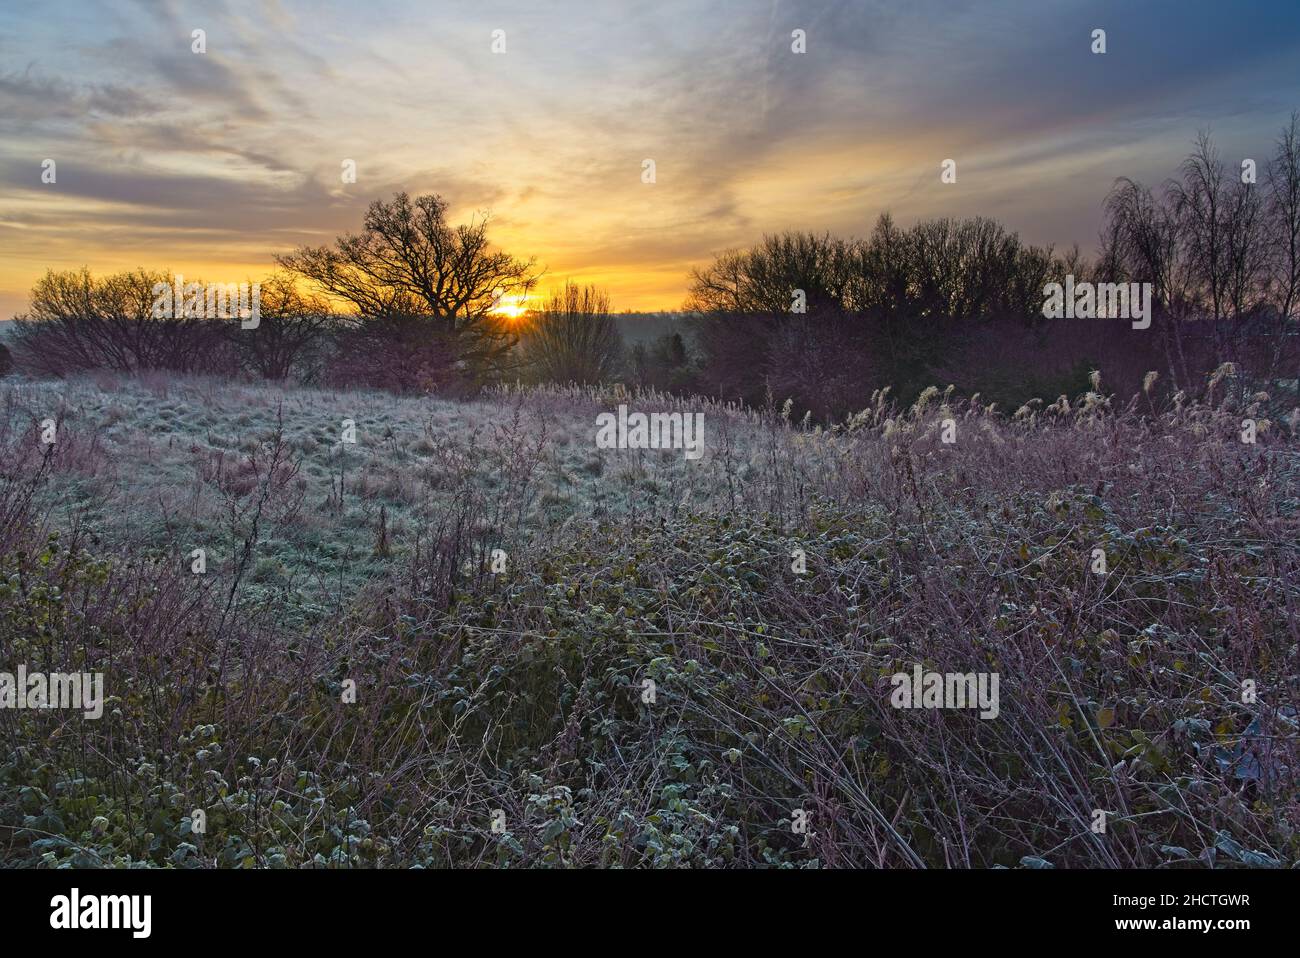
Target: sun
[[511, 307]]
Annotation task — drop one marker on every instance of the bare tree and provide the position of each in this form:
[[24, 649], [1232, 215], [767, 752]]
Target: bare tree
[[409, 261], [951, 269], [720, 287], [1215, 248], [1142, 243], [1200, 202], [1284, 213], [971, 269], [1283, 239], [573, 339], [1246, 251], [887, 306], [76, 322], [1223, 230], [290, 332], [764, 279], [882, 274]]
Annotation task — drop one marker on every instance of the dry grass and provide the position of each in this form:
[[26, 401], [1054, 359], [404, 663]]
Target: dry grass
[[523, 691]]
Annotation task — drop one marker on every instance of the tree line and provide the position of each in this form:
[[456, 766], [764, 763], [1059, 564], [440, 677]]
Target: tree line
[[961, 301], [410, 303]]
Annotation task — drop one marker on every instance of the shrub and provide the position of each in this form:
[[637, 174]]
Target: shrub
[[291, 336], [573, 339], [397, 352], [78, 322]]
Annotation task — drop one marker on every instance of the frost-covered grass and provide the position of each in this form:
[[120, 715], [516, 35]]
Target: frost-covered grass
[[163, 463], [341, 690]]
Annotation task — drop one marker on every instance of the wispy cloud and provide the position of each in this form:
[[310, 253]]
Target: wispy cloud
[[221, 159]]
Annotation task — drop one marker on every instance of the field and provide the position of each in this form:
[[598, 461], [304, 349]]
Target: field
[[166, 465], [472, 637]]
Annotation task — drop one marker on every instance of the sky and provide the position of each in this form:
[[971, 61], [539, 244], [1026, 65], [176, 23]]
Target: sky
[[210, 163]]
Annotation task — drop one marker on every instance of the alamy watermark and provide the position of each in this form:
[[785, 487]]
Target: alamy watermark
[[1098, 301], [55, 690], [181, 300], [656, 430], [75, 911], [946, 690]]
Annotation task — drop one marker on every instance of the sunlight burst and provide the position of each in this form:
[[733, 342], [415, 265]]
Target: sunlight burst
[[511, 307]]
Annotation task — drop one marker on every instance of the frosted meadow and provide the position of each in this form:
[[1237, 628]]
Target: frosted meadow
[[602, 437], [480, 571]]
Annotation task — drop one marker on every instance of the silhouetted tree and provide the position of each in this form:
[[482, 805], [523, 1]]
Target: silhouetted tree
[[291, 332], [886, 308], [409, 261], [764, 279], [1284, 216], [398, 352], [77, 322], [1219, 248]]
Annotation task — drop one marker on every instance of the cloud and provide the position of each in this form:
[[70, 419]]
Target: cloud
[[29, 97], [238, 150]]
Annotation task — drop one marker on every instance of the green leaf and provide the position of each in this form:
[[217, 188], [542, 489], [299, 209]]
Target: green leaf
[[552, 831]]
